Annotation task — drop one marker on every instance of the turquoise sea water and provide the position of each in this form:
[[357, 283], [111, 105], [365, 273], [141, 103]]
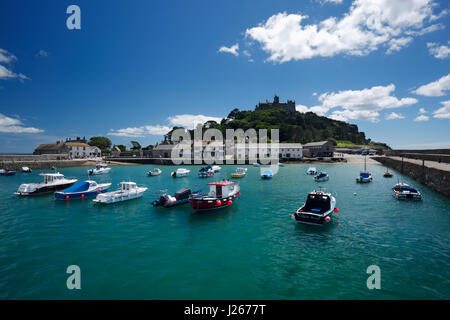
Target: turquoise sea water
[[251, 250]]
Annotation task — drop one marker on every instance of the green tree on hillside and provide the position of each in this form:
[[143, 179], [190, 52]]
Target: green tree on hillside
[[100, 142]]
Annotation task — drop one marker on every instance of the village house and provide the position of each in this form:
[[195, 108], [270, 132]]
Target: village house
[[318, 149]]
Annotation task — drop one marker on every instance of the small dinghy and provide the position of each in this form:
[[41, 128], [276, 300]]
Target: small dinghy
[[6, 172], [266, 174], [281, 164], [387, 174], [180, 172], [321, 177], [216, 168], [221, 195], [317, 209], [128, 191], [402, 191], [239, 173], [25, 169], [311, 171], [256, 164], [206, 172], [180, 197], [154, 172], [82, 189], [100, 168], [52, 182]]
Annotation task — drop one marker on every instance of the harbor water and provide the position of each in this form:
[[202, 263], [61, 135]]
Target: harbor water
[[250, 250]]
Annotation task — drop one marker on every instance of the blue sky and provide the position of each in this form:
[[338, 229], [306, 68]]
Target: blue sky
[[138, 67]]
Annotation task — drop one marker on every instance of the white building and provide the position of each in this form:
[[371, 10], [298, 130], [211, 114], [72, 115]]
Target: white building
[[79, 150]]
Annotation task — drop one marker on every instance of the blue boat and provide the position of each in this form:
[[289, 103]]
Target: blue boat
[[322, 177], [181, 197], [6, 172], [266, 174], [82, 189]]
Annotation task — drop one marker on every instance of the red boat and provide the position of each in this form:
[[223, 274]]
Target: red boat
[[221, 195]]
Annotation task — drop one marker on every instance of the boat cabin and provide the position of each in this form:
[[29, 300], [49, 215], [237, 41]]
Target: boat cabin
[[405, 189], [317, 203], [51, 177], [220, 189], [127, 186]]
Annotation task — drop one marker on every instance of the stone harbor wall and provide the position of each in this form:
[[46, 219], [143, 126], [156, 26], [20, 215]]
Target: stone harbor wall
[[435, 179]]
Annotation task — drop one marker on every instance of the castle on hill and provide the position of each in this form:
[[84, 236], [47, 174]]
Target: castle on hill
[[288, 106]]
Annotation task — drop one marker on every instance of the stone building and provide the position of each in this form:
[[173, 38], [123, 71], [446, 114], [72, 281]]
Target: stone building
[[318, 149], [288, 106]]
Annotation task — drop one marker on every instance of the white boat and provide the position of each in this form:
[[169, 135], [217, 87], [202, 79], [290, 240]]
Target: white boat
[[180, 172], [216, 168], [317, 209], [128, 191], [281, 164], [52, 182], [25, 169], [311, 171], [403, 191], [154, 172], [256, 164], [100, 168], [240, 173]]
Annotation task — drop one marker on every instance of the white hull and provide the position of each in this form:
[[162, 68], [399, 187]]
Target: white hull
[[99, 171], [119, 196]]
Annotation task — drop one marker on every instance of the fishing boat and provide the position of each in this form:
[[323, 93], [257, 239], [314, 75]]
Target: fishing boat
[[6, 172], [205, 172], [25, 169], [221, 195], [128, 191], [100, 168], [239, 173], [387, 174], [364, 176], [311, 171], [180, 172], [216, 168], [267, 174], [52, 182], [82, 189], [180, 197], [402, 191], [154, 172], [321, 177], [317, 209]]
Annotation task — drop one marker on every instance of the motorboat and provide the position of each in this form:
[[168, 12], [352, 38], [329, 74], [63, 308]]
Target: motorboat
[[180, 172], [364, 176], [321, 177], [52, 182], [100, 168], [267, 174], [6, 172], [221, 195], [402, 191], [180, 197], [317, 209], [128, 191], [216, 168], [154, 172], [25, 169], [239, 173], [387, 174], [281, 164], [256, 164], [206, 172], [82, 189], [311, 171]]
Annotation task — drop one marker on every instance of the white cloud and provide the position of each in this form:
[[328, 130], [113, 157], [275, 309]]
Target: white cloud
[[368, 25], [437, 51], [394, 116], [12, 125], [42, 53], [444, 112], [188, 121], [435, 88], [422, 118], [332, 1], [233, 49], [362, 104], [422, 111], [5, 73]]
